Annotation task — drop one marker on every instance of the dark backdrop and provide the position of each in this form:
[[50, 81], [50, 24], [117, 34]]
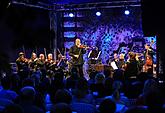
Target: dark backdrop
[[26, 27]]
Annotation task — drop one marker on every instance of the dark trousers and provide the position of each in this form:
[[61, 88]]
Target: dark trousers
[[79, 69]]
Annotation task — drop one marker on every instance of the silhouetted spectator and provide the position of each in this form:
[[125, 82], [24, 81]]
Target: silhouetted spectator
[[27, 97], [137, 109], [107, 106], [61, 108], [6, 92], [62, 96], [98, 87], [14, 108], [81, 92]]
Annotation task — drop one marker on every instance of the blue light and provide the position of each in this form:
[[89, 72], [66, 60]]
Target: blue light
[[71, 15], [126, 12], [98, 13]]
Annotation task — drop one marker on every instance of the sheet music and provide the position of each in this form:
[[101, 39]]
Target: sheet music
[[114, 66]]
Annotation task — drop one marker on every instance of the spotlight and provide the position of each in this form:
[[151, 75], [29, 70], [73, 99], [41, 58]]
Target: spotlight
[[98, 13], [71, 15], [126, 12]]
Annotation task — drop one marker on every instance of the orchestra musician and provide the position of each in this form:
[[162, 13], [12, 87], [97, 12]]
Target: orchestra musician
[[148, 55], [131, 66], [62, 61], [121, 61], [41, 62], [113, 58], [41, 65], [22, 66], [50, 63], [33, 62], [76, 52]]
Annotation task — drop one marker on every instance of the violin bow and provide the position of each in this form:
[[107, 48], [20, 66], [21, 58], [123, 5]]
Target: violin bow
[[45, 53]]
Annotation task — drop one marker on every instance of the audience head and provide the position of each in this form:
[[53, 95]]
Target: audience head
[[74, 73], [137, 109], [117, 85], [99, 78], [134, 89], [118, 75], [62, 96], [108, 85], [154, 100], [92, 74], [28, 82], [150, 85], [81, 89], [61, 108], [27, 93], [14, 108], [6, 83], [107, 106]]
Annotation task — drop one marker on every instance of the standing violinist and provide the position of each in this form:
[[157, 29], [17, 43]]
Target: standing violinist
[[76, 52]]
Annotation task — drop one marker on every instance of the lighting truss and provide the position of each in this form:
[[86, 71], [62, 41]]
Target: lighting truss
[[30, 3], [84, 6]]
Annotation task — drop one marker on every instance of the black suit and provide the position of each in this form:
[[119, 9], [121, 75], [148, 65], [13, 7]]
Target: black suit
[[77, 62]]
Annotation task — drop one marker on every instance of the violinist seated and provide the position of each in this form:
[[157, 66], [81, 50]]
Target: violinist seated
[[33, 62], [22, 62], [22, 66], [62, 61], [41, 62], [121, 61], [50, 63]]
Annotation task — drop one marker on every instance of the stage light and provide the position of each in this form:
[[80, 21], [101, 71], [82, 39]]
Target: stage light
[[126, 12], [98, 13], [71, 15]]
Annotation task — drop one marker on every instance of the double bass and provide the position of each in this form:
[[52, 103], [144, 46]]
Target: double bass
[[148, 60]]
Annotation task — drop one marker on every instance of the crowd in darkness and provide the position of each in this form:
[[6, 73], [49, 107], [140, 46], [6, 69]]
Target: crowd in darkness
[[104, 92]]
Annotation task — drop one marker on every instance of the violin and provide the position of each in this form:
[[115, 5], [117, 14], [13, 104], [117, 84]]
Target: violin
[[84, 47], [25, 60]]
